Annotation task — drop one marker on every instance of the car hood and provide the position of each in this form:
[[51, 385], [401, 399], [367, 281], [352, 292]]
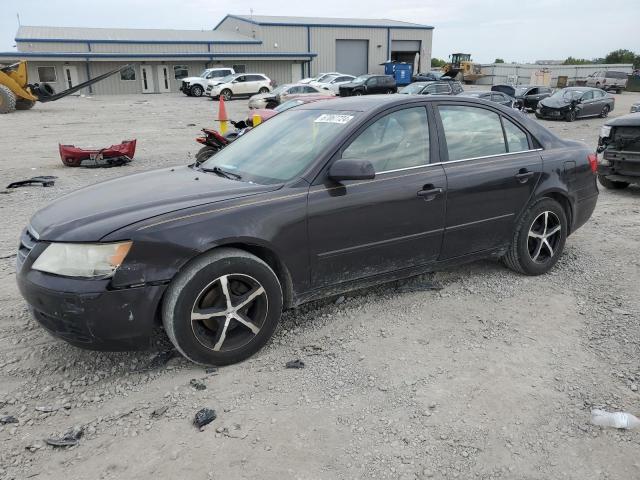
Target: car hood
[[193, 79], [630, 120], [262, 96], [350, 85], [508, 89], [91, 213], [554, 102]]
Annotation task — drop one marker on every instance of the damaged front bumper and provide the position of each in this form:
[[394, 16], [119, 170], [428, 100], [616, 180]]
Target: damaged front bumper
[[88, 314], [620, 166]]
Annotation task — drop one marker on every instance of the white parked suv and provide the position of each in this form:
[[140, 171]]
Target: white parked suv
[[608, 80], [239, 84], [195, 86]]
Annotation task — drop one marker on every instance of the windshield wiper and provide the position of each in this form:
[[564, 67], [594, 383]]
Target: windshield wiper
[[223, 173]]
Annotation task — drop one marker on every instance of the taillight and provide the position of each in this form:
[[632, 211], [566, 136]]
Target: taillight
[[593, 162]]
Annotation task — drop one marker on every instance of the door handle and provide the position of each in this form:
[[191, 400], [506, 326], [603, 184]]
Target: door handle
[[524, 175], [429, 192]]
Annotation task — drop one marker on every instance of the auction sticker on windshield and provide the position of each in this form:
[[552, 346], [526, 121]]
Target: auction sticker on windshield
[[333, 118]]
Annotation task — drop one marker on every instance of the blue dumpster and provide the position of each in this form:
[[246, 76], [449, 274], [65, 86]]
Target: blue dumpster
[[401, 72]]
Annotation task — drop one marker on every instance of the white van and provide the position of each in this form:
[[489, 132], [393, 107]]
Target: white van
[[608, 80]]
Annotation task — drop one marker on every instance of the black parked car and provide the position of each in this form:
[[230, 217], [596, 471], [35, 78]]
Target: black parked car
[[432, 88], [429, 77], [497, 97], [576, 102], [619, 152], [343, 193], [369, 85], [526, 96]]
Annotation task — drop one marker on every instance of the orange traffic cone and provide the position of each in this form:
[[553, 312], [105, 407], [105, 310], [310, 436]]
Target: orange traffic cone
[[222, 117]]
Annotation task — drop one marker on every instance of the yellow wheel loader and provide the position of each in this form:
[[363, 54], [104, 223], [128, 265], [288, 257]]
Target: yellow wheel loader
[[16, 93]]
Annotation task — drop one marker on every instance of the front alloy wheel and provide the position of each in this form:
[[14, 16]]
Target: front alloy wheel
[[223, 307]]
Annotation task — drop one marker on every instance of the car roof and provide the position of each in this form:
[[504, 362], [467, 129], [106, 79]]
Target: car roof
[[579, 88], [473, 93]]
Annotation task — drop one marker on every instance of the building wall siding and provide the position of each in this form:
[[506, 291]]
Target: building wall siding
[[52, 47], [503, 72]]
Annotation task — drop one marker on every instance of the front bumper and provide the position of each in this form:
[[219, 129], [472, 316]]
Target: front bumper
[[555, 114], [88, 314], [254, 104]]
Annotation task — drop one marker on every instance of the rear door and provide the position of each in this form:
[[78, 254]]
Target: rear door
[[362, 228], [491, 168]]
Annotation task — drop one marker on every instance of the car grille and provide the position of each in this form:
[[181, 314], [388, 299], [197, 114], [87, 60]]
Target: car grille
[[28, 240], [184, 86], [548, 112]]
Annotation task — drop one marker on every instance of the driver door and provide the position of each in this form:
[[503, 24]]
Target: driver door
[[588, 104], [363, 228]]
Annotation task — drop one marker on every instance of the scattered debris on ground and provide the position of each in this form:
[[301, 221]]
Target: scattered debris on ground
[[295, 364], [204, 417]]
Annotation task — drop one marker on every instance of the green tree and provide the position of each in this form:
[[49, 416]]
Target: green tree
[[621, 56], [438, 62], [577, 61], [498, 60]]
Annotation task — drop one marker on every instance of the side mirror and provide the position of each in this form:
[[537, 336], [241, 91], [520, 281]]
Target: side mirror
[[351, 169]]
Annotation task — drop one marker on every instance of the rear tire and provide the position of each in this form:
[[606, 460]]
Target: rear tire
[[7, 100], [196, 91], [222, 307], [611, 184], [22, 104], [539, 238], [205, 153], [605, 112]]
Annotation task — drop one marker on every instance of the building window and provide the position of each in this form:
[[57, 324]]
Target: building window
[[240, 68], [47, 74], [180, 71], [128, 74]]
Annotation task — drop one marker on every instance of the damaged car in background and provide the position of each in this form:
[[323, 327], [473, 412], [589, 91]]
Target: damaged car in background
[[323, 198], [576, 102], [619, 152]]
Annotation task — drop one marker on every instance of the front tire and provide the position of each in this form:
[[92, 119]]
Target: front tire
[[196, 91], [539, 238], [7, 100], [571, 116], [223, 307], [263, 90], [611, 184], [226, 94]]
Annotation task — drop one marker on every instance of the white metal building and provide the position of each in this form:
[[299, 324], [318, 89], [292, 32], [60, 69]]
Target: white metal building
[[284, 48]]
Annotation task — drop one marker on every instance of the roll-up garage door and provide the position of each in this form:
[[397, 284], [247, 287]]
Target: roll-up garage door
[[352, 56]]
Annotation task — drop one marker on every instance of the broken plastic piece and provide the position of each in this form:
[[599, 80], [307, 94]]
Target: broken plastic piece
[[204, 417], [295, 364], [614, 419], [112, 156], [197, 384], [44, 180], [69, 439], [158, 412], [7, 419]]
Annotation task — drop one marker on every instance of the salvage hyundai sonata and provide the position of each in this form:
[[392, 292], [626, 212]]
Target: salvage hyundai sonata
[[323, 198]]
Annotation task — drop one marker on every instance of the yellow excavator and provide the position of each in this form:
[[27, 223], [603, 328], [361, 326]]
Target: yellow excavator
[[461, 67], [16, 93]]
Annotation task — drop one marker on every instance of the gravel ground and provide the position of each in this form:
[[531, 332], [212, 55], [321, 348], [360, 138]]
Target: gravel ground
[[490, 377]]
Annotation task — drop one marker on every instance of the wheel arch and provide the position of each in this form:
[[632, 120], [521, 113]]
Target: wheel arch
[[565, 202]]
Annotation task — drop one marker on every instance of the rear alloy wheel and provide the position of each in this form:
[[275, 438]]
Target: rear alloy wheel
[[611, 184], [226, 94], [7, 100], [196, 91], [605, 112], [223, 307], [571, 116], [539, 238]]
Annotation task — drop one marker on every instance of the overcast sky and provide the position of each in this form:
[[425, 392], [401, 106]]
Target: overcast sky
[[518, 31]]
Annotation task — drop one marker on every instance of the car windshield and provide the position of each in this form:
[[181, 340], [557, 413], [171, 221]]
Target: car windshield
[[521, 90], [360, 79], [204, 73], [325, 77], [227, 79], [412, 88], [287, 105], [282, 148], [280, 89], [568, 95]]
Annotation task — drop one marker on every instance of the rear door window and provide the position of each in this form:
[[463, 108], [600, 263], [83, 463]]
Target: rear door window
[[471, 132]]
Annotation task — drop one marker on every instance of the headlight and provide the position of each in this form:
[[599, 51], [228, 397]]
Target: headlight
[[82, 259], [605, 131]]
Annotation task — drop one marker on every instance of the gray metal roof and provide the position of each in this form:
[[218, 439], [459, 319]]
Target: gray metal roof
[[126, 35], [327, 21]]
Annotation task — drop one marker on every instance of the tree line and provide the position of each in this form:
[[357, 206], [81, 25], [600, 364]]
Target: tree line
[[621, 55]]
